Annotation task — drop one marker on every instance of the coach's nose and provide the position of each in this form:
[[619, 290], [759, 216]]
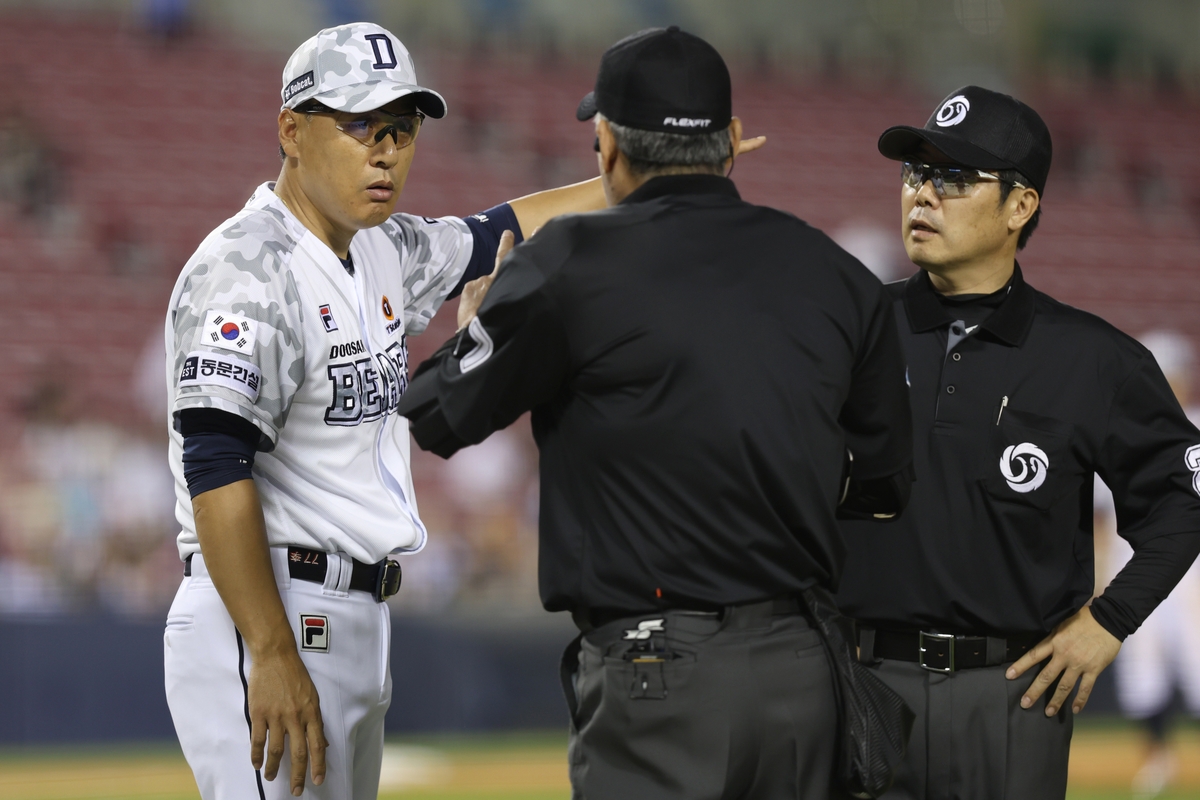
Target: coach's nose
[[384, 153]]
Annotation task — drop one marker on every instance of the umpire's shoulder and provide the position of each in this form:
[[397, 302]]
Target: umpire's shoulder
[[1082, 333]]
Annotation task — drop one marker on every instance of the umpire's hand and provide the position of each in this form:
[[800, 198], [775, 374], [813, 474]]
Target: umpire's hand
[[1078, 647]]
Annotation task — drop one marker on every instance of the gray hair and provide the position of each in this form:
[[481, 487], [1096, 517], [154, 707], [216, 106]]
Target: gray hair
[[664, 153]]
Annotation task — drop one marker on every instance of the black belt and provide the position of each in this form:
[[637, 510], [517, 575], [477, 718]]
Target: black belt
[[381, 580], [588, 619], [942, 652]]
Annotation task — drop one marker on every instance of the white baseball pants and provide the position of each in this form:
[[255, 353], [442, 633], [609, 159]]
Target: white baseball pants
[[344, 639]]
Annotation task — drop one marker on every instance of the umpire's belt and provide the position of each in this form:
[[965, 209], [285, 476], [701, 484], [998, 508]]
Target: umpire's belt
[[942, 652], [381, 580]]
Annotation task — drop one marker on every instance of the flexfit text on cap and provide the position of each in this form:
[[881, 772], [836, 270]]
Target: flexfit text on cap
[[979, 128], [357, 67], [664, 80]]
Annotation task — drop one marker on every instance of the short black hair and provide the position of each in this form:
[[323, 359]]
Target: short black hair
[[1008, 177]]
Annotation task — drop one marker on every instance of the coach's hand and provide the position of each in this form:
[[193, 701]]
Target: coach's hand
[[1078, 648], [750, 145], [474, 292], [283, 701]]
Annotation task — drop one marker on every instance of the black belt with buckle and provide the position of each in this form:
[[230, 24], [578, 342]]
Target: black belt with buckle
[[943, 652], [381, 580]]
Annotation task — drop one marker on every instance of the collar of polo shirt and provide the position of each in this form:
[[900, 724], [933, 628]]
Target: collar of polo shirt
[[1010, 323]]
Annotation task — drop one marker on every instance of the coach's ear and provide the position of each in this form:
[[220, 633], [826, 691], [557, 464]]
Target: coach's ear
[[288, 129], [735, 142]]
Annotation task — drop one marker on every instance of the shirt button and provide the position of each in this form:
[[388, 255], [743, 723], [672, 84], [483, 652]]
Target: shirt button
[[957, 356], [949, 390]]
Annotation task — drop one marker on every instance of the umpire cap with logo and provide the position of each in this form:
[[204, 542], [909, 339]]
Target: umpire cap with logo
[[357, 67], [979, 128], [664, 80]]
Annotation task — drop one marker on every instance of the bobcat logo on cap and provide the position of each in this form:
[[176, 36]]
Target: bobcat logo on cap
[[953, 111], [1024, 467]]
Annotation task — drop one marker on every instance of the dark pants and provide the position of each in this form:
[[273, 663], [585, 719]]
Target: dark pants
[[973, 741], [739, 706]]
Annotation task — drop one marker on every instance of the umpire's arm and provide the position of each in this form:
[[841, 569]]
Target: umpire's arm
[[877, 422], [511, 357]]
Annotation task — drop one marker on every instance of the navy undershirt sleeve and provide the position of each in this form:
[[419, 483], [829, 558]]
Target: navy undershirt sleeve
[[486, 229], [218, 448]]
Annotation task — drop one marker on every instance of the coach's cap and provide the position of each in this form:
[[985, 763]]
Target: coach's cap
[[356, 67], [983, 129], [662, 79]]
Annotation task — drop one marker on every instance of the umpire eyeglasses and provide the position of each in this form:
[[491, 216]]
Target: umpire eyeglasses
[[947, 181], [370, 128]]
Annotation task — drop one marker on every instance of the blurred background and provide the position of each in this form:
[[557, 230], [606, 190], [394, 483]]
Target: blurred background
[[128, 130]]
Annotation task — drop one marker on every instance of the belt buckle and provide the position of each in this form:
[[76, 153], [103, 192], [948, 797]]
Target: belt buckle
[[948, 638], [388, 581]]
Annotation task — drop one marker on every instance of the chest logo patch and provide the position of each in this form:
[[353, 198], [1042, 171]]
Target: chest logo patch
[[327, 318], [1192, 459], [1024, 466]]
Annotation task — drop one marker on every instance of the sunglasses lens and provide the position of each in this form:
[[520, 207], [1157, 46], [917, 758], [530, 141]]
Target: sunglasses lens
[[912, 175], [957, 182]]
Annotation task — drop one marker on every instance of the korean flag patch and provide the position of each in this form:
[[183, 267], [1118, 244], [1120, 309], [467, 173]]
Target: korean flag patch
[[229, 332]]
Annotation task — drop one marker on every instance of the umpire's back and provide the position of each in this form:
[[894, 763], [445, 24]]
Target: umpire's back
[[711, 353], [698, 369]]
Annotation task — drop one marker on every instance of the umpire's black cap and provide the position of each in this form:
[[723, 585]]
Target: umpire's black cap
[[664, 80], [979, 128]]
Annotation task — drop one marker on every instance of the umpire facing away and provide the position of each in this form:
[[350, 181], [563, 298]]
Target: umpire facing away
[[697, 367], [974, 607]]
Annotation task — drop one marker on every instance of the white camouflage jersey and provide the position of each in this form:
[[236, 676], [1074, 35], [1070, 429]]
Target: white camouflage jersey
[[266, 323]]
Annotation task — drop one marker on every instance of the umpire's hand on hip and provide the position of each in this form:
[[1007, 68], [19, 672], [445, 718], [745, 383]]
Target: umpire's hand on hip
[[1078, 648]]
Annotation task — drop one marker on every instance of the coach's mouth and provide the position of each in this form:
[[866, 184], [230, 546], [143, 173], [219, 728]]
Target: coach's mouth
[[381, 191]]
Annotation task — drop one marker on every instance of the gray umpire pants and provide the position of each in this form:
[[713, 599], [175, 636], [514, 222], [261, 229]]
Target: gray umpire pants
[[710, 707], [973, 741]]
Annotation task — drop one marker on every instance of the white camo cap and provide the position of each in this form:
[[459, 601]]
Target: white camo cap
[[357, 67]]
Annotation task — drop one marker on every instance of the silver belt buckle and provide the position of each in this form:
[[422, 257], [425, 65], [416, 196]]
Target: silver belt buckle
[[945, 637]]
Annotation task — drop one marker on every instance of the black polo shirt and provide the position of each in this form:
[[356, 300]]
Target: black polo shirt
[[1009, 425], [696, 366]]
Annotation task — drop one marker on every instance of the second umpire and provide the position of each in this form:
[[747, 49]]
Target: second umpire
[[696, 367], [1017, 400]]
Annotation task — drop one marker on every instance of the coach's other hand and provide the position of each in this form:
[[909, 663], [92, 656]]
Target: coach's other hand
[[750, 145], [1078, 647], [474, 292], [283, 700]]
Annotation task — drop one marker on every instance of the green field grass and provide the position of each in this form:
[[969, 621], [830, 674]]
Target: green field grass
[[514, 766]]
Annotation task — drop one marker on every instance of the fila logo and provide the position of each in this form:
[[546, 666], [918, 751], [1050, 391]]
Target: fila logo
[[953, 111], [1024, 467], [644, 629], [685, 122], [380, 61], [314, 633], [1192, 459], [327, 318]]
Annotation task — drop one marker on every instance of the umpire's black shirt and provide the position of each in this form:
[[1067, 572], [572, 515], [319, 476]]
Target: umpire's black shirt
[[1009, 423], [696, 367]]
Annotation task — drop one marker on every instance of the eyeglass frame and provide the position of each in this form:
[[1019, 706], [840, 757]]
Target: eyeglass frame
[[419, 116], [939, 185]]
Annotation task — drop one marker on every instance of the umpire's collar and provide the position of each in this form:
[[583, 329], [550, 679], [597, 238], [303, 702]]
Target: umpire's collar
[[1009, 323], [692, 183]]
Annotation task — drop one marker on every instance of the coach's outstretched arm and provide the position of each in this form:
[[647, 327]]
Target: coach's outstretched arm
[[281, 698]]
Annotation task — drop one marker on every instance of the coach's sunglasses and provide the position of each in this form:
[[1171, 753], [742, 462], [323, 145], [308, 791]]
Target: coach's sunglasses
[[371, 126], [947, 181]]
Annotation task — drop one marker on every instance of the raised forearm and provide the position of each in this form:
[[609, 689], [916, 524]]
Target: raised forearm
[[535, 210], [233, 540]]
